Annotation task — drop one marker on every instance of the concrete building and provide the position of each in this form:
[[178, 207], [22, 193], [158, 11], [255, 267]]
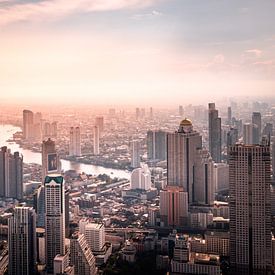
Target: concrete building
[[257, 127], [54, 218], [221, 177], [217, 242], [250, 217], [99, 122], [81, 256], [141, 178], [50, 159], [96, 140], [22, 241], [232, 137], [27, 124], [273, 158], [173, 206], [248, 133], [181, 154], [75, 142], [204, 189], [11, 174], [214, 133], [157, 145], [135, 153]]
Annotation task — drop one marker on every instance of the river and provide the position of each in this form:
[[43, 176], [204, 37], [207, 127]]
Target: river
[[6, 132]]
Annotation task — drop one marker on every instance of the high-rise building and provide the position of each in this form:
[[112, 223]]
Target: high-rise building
[[173, 206], [75, 142], [268, 130], [157, 145], [221, 177], [141, 178], [273, 159], [99, 122], [81, 256], [249, 205], [137, 113], [39, 206], [204, 189], [151, 113], [181, 154], [257, 127], [135, 154], [214, 133], [94, 234], [180, 111], [232, 137], [229, 115], [11, 174], [248, 133], [50, 159], [22, 241], [54, 218], [96, 140], [28, 124]]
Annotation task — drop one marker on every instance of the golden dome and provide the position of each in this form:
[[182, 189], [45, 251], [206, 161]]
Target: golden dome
[[186, 122]]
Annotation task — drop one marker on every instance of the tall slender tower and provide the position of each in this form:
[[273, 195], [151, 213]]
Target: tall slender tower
[[157, 145], [257, 129], [96, 140], [27, 124], [75, 142], [135, 153], [181, 153], [54, 218], [50, 159], [214, 132], [22, 241], [250, 217]]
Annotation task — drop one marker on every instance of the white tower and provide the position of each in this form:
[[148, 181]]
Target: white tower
[[75, 142], [96, 140]]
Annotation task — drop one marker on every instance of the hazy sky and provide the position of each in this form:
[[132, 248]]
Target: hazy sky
[[136, 51]]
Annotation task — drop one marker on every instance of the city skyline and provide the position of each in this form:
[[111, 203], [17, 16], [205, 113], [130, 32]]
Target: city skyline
[[128, 52]]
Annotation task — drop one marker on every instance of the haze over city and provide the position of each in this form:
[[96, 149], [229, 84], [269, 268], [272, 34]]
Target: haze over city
[[132, 51]]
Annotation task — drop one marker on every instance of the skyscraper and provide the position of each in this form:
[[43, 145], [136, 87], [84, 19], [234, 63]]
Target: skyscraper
[[50, 159], [54, 218], [250, 218], [22, 241], [11, 174], [173, 206], [232, 137], [135, 153], [181, 153], [27, 124], [229, 115], [81, 256], [273, 159], [96, 140], [99, 122], [215, 133], [75, 142], [203, 179], [141, 178], [39, 206], [248, 133], [257, 127], [157, 145]]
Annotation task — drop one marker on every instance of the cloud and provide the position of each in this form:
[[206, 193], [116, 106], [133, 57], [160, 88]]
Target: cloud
[[55, 9], [154, 13], [254, 52]]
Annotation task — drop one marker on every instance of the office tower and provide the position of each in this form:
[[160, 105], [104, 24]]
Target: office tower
[[94, 234], [181, 153], [54, 218], [232, 137], [99, 122], [61, 263], [173, 206], [141, 178], [137, 113], [268, 130], [273, 158], [180, 111], [249, 208], [39, 206], [67, 213], [203, 179], [248, 133], [96, 140], [257, 127], [229, 115], [75, 142], [22, 241], [135, 154], [221, 177], [11, 174], [81, 256], [50, 159], [27, 124], [157, 145], [215, 138]]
